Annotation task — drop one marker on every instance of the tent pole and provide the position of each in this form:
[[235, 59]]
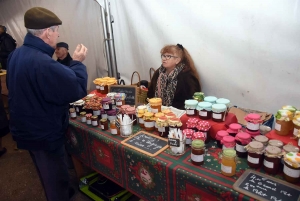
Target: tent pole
[[107, 52]]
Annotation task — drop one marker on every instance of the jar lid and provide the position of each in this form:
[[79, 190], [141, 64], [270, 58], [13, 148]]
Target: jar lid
[[82, 113], [125, 106], [204, 105], [218, 108], [188, 132], [94, 117], [253, 133], [111, 112], [229, 153], [103, 120], [273, 150], [165, 111], [198, 94], [130, 109], [223, 101], [252, 116], [284, 115], [159, 114], [290, 148], [293, 157], [193, 120], [72, 110], [243, 136], [106, 99], [222, 133], [228, 139], [261, 138], [174, 120], [191, 102], [162, 118], [198, 144], [148, 114], [256, 145], [211, 99], [234, 128], [203, 125], [276, 143], [154, 100], [289, 107]]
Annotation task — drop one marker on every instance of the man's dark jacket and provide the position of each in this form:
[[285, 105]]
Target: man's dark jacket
[[40, 89], [7, 45], [66, 61]]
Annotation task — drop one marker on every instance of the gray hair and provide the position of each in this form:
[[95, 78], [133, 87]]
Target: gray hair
[[38, 32]]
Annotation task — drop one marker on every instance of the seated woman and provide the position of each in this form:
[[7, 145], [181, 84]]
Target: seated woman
[[176, 80]]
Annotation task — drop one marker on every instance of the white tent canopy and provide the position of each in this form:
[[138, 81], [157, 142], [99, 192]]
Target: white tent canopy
[[246, 51]]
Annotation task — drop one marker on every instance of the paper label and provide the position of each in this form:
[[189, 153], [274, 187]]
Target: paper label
[[268, 164], [95, 123], [114, 131], [161, 129], [149, 124], [106, 106], [101, 87], [96, 112], [203, 113], [73, 114], [197, 158], [104, 116], [83, 119], [102, 126], [154, 110], [119, 103], [277, 126], [290, 172], [252, 126], [97, 87], [295, 131], [253, 160], [188, 141], [226, 169], [190, 112], [88, 121], [240, 148], [141, 120], [217, 116], [77, 109]]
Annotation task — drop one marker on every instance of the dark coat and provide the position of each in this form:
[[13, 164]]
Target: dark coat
[[187, 85], [40, 90], [7, 45], [3, 118], [66, 61]]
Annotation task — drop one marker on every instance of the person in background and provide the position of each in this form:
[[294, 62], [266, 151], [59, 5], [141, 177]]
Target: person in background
[[176, 80], [40, 90], [4, 128], [7, 45], [62, 53]]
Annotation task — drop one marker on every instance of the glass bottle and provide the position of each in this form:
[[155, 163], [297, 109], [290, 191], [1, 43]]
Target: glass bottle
[[83, 117], [72, 113], [228, 164]]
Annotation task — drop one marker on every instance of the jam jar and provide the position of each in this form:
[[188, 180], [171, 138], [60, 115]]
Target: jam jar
[[78, 106], [103, 114], [106, 104], [223, 101], [114, 130], [296, 122], [218, 112], [210, 99], [190, 107], [72, 113], [155, 104], [198, 136], [95, 121], [188, 135], [162, 126], [234, 129], [192, 123], [198, 151], [204, 126], [123, 108], [97, 111], [263, 139], [156, 116], [276, 143], [204, 110], [228, 163], [241, 140], [104, 124], [88, 109], [130, 111], [88, 119], [228, 142], [198, 96], [111, 115], [140, 114], [291, 169], [120, 99], [272, 159], [149, 123], [284, 122], [293, 110], [174, 123], [219, 136], [111, 95], [83, 117], [255, 154], [253, 122]]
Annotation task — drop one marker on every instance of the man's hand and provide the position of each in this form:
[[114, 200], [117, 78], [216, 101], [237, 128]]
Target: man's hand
[[80, 53]]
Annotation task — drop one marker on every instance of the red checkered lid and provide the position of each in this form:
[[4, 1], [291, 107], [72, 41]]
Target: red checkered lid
[[193, 120], [199, 136], [203, 125], [188, 133]]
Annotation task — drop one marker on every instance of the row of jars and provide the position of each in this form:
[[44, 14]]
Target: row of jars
[[287, 120], [103, 83]]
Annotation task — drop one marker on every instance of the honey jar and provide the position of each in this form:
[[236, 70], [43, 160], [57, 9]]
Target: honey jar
[[228, 164], [190, 107], [204, 110], [218, 112], [155, 104], [284, 122], [198, 151]]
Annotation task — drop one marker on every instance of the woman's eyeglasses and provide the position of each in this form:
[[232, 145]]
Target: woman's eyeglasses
[[167, 57]]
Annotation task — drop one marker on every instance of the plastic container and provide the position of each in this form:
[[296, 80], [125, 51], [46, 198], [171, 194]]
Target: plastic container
[[126, 130], [149, 122], [190, 107], [210, 99], [291, 169], [228, 142], [155, 104], [204, 110], [253, 122], [242, 139], [284, 123], [272, 159], [218, 112], [177, 151], [197, 153], [228, 164], [255, 154], [234, 129], [219, 136], [198, 96]]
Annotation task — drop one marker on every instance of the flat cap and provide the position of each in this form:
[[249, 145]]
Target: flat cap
[[40, 18], [62, 44]]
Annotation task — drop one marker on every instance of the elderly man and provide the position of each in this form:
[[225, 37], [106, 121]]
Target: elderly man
[[40, 89], [62, 53]]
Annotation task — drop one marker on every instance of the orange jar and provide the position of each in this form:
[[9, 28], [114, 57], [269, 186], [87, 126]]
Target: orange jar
[[114, 130], [149, 122], [228, 164], [283, 123], [157, 115], [155, 104]]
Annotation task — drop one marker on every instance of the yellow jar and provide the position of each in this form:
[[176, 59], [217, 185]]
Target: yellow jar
[[284, 123], [140, 110], [228, 164], [162, 126], [149, 122], [155, 104], [174, 123], [156, 116]]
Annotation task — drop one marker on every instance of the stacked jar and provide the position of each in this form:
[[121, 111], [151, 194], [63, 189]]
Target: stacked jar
[[140, 114], [197, 153], [111, 114], [224, 101], [284, 122], [103, 114], [263, 139], [242, 139], [106, 104], [120, 99], [162, 126], [276, 143], [111, 95], [234, 129], [188, 134], [174, 123], [198, 96], [102, 87], [255, 154], [157, 115], [97, 110], [289, 148], [192, 123], [296, 122], [190, 107], [210, 99], [155, 104], [291, 169], [228, 142], [218, 112], [253, 123], [204, 110], [198, 136], [149, 123], [204, 127], [130, 111], [219, 136], [272, 159]]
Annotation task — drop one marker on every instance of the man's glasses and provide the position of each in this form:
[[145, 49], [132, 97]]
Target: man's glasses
[[167, 57]]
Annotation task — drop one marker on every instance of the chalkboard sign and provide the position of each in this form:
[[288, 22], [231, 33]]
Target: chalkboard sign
[[130, 91], [174, 142], [264, 187], [146, 143]]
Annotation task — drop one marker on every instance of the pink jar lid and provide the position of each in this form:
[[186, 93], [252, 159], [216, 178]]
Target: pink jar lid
[[130, 110], [199, 136], [220, 134], [253, 117], [228, 139], [234, 128], [125, 106], [243, 135], [253, 134]]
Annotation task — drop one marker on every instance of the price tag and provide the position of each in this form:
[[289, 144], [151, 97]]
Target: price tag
[[174, 142]]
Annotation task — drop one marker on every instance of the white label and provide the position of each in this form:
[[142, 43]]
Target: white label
[[190, 112], [106, 106], [101, 87], [290, 172], [268, 164], [113, 101], [217, 116], [226, 169], [88, 121], [197, 158], [240, 148], [188, 141], [149, 124], [73, 114], [96, 112], [154, 110], [277, 126], [102, 126], [161, 129], [252, 126], [113, 131], [110, 118], [295, 131], [119, 103], [83, 119], [141, 120], [104, 116], [253, 160], [97, 87], [95, 123], [224, 147], [203, 114], [77, 109]]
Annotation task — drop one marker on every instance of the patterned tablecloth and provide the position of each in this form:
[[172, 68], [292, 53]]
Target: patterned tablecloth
[[161, 178]]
